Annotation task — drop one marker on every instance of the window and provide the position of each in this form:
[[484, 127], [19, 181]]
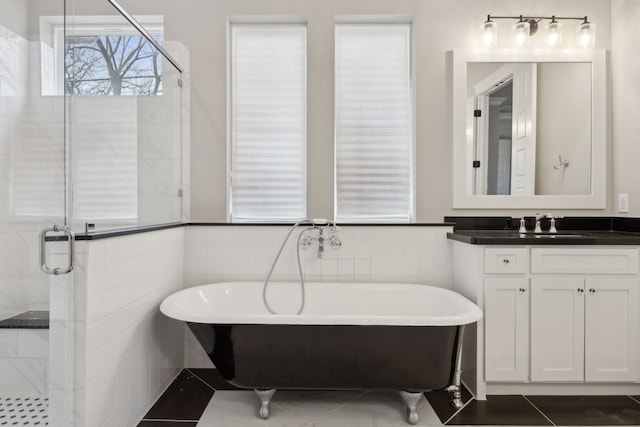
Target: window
[[100, 55], [97, 64], [267, 122], [374, 138]]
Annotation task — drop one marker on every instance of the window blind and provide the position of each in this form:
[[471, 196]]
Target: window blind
[[268, 122], [374, 123], [106, 181], [105, 168]]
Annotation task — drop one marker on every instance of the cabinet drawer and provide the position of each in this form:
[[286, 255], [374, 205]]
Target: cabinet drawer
[[506, 260], [584, 261]]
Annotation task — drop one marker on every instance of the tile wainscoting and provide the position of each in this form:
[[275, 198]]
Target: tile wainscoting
[[127, 352]]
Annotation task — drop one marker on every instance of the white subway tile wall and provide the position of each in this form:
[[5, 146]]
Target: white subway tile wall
[[128, 352], [412, 254]]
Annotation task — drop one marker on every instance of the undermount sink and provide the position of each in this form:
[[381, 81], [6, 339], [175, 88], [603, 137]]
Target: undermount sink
[[554, 235], [529, 234]]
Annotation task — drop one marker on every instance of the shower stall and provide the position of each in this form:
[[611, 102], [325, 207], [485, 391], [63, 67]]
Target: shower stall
[[91, 131]]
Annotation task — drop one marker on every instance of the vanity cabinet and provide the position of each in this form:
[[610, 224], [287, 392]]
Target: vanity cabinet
[[557, 319], [506, 321], [584, 329]]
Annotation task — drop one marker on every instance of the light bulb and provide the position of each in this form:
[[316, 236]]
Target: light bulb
[[554, 33], [521, 34], [490, 33], [586, 34]]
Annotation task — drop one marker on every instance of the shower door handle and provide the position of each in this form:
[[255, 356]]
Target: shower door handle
[[68, 234]]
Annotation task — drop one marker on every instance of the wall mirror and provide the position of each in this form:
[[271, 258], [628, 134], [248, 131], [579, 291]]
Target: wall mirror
[[529, 129]]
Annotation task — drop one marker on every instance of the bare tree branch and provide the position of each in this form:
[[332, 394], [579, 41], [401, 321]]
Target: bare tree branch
[[115, 65]]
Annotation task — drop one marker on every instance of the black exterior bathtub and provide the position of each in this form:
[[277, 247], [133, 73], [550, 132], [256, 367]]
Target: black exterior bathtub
[[350, 336], [332, 357]]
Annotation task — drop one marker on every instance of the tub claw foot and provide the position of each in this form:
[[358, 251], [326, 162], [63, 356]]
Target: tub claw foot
[[265, 402], [456, 396], [411, 400]]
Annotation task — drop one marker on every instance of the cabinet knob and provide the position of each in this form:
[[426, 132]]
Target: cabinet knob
[[505, 261], [580, 290], [522, 290], [592, 291]]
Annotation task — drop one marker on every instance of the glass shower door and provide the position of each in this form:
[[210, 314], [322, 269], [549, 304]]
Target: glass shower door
[[35, 308]]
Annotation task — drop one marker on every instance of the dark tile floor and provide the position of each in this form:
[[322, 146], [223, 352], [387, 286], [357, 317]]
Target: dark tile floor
[[185, 400]]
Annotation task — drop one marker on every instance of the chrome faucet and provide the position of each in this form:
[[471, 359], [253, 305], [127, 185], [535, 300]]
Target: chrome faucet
[[538, 228], [321, 243], [552, 220], [331, 237], [523, 226]]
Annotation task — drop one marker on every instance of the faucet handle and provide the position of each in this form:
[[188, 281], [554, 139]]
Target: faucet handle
[[538, 228], [523, 226]]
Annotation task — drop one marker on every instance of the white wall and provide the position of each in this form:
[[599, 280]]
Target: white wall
[[564, 112], [439, 27], [127, 352], [393, 254], [625, 63]]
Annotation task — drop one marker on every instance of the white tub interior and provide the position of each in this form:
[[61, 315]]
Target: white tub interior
[[326, 303]]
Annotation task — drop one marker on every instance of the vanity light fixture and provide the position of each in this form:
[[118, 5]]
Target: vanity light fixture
[[521, 31], [527, 26], [586, 34], [489, 32], [554, 33]]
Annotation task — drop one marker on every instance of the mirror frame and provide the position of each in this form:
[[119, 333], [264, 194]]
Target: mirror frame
[[463, 197]]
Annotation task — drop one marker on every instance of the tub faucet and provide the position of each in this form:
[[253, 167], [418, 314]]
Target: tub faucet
[[327, 234], [321, 243]]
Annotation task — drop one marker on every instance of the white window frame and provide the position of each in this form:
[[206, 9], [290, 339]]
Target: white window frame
[[52, 29]]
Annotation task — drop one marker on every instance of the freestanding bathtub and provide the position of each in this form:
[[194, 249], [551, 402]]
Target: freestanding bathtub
[[364, 336]]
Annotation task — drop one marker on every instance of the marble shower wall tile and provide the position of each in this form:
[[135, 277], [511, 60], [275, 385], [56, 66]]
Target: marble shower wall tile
[[24, 355]]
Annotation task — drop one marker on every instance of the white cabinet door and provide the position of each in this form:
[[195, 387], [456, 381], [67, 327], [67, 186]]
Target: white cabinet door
[[506, 320], [611, 329], [557, 329]]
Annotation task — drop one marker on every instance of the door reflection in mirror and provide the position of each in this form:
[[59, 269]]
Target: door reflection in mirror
[[525, 116]]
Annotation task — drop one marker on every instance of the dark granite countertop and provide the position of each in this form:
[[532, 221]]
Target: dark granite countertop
[[569, 237], [27, 320]]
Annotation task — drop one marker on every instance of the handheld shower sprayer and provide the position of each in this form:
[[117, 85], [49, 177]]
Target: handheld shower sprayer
[[319, 224]]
